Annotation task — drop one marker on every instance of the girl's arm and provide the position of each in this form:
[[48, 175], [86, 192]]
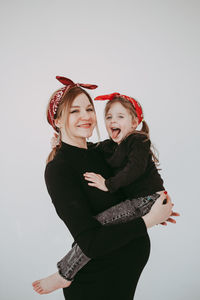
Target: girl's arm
[[137, 160]]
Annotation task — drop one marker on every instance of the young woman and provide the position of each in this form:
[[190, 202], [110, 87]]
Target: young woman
[[119, 252]]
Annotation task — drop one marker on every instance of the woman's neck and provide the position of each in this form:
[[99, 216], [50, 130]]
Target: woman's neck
[[77, 142]]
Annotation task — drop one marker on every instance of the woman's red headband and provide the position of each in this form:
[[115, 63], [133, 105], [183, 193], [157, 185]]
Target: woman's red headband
[[135, 103], [56, 99]]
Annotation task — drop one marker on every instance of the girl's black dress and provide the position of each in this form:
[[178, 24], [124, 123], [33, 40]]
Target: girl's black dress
[[119, 252]]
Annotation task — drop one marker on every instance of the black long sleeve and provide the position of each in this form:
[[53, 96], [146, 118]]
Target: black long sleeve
[[72, 206], [136, 163]]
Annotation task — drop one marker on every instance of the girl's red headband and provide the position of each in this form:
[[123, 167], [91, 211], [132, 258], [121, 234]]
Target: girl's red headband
[[135, 103], [56, 99]]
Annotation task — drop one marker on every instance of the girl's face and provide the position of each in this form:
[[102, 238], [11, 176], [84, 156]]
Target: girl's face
[[81, 121], [119, 122]]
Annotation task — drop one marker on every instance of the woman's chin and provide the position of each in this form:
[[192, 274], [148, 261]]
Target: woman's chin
[[87, 135]]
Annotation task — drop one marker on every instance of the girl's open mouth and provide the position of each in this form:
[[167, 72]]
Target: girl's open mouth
[[115, 132]]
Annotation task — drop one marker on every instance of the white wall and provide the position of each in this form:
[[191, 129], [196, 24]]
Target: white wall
[[147, 49]]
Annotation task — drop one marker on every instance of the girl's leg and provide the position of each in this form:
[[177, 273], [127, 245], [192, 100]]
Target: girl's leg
[[75, 259], [50, 284], [127, 210], [123, 212]]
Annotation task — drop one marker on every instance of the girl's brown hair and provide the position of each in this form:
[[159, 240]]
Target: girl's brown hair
[[145, 128], [64, 107]]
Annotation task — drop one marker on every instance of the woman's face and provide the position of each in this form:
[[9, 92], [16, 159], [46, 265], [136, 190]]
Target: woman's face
[[82, 119]]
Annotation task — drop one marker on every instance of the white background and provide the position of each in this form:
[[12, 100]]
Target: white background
[[145, 49]]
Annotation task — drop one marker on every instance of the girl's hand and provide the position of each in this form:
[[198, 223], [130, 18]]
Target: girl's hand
[[96, 180], [54, 141]]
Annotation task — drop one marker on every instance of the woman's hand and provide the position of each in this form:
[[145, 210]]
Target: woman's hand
[[160, 213], [96, 180], [171, 220]]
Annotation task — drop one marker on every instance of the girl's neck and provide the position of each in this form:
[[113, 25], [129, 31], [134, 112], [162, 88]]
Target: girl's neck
[[131, 132]]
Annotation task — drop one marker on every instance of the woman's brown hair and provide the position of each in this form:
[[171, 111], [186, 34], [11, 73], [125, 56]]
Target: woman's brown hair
[[64, 107], [145, 128]]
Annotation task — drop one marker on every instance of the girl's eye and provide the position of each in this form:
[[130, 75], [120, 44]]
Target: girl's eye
[[90, 109], [121, 117], [108, 118], [73, 111]]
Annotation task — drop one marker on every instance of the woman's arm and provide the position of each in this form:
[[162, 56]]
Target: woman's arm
[[74, 209]]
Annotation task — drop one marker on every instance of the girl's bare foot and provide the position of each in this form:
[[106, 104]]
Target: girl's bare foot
[[50, 284]]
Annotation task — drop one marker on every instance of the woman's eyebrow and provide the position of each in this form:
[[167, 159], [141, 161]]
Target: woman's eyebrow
[[79, 106]]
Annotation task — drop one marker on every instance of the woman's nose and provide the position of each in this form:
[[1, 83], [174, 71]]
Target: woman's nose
[[85, 115]]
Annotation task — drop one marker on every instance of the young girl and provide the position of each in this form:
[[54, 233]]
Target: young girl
[[128, 153]]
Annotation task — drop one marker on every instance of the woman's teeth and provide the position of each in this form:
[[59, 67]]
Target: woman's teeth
[[87, 125]]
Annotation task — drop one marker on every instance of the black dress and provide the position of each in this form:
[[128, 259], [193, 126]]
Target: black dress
[[119, 252]]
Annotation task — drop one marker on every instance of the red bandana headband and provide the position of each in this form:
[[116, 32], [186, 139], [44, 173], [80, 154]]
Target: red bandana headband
[[56, 99], [135, 103]]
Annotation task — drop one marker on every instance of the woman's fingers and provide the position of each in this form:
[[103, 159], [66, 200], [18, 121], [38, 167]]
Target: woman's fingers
[[161, 213], [164, 199], [164, 223], [173, 214], [176, 214], [171, 220]]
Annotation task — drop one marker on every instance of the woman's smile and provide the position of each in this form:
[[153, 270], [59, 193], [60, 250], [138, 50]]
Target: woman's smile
[[85, 125]]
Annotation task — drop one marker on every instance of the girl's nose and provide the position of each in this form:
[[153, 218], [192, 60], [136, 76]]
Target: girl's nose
[[113, 120]]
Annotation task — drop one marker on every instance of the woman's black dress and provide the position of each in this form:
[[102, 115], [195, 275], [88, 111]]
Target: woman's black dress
[[119, 252]]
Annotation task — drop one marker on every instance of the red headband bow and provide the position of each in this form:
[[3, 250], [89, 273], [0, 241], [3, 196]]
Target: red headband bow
[[135, 103], [56, 99]]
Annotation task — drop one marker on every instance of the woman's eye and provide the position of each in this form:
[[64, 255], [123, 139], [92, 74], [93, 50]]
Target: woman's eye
[[108, 118], [73, 111], [90, 109], [121, 117]]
